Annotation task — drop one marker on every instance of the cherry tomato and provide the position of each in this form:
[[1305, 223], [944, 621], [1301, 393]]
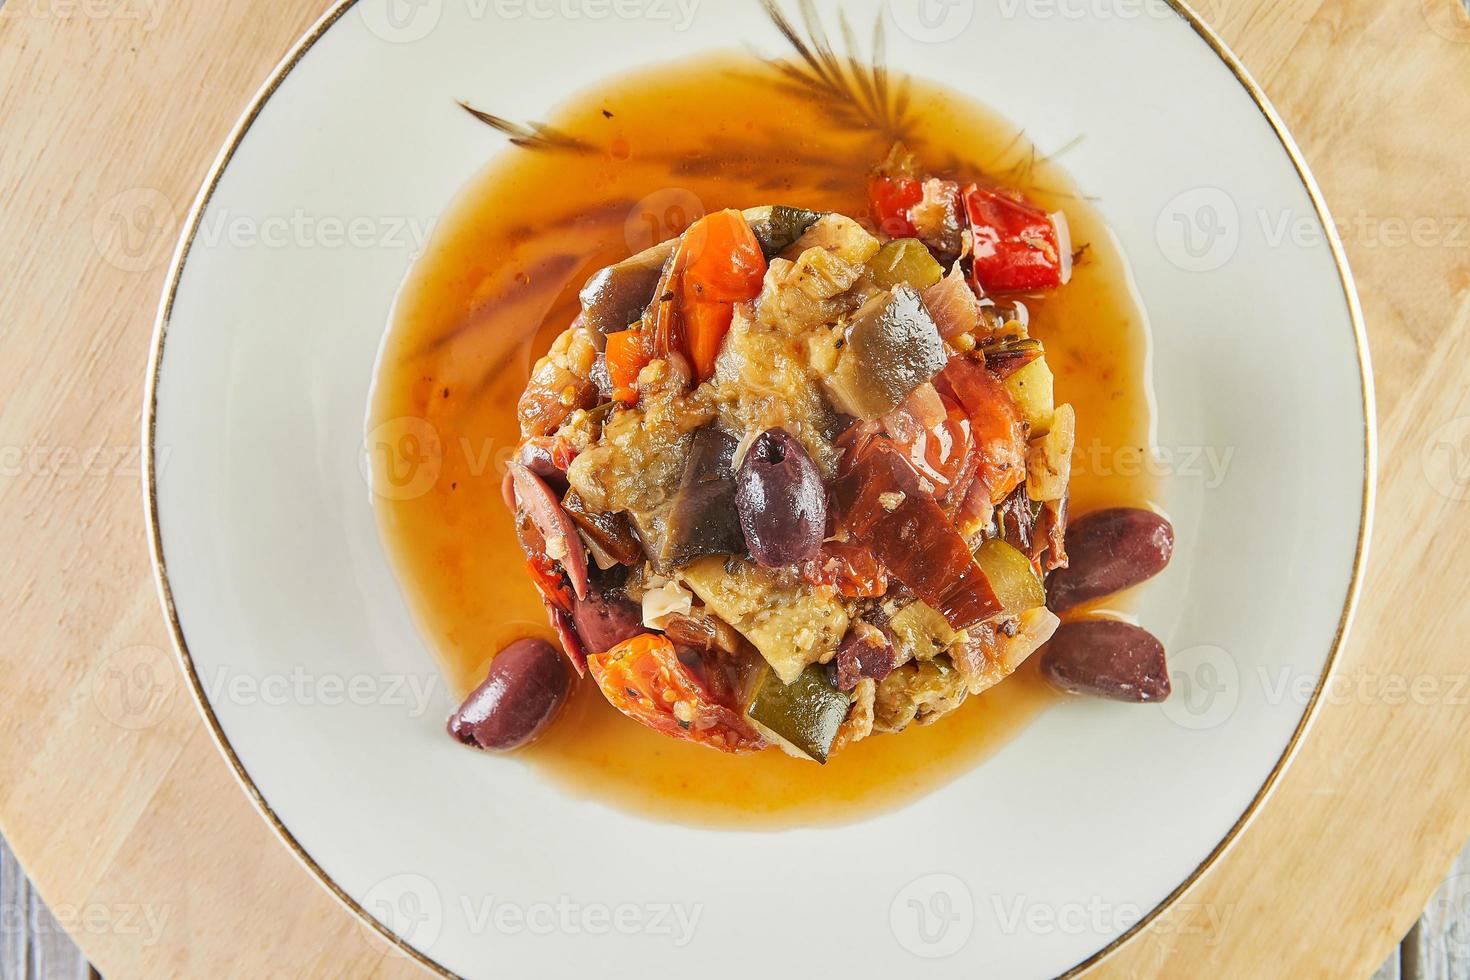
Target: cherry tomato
[[890, 199]]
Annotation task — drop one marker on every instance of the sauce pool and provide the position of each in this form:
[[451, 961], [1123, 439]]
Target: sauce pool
[[637, 161]]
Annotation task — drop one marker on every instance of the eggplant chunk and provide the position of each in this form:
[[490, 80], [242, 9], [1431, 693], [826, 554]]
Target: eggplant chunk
[[790, 623], [703, 519], [801, 717], [891, 347], [616, 296], [777, 226]]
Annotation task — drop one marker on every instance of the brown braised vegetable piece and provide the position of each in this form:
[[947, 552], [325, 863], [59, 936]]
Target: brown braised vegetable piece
[[703, 519], [609, 533], [1109, 551], [526, 686], [1015, 519], [1007, 356], [701, 631], [890, 348], [617, 295], [1105, 658]]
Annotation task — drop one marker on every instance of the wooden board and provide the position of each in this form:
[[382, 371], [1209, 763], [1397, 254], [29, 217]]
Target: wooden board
[[111, 111]]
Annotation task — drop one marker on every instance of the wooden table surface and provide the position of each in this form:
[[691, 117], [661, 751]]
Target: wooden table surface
[[123, 811]]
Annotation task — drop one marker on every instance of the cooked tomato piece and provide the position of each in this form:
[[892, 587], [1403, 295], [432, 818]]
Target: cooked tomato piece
[[626, 356], [849, 567], [890, 199], [644, 679]]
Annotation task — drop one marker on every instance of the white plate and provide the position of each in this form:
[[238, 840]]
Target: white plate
[[325, 700]]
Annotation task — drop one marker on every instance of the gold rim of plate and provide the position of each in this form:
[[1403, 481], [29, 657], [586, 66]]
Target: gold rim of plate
[[181, 646]]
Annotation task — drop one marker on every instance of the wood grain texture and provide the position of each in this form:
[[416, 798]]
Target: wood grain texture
[[110, 788]]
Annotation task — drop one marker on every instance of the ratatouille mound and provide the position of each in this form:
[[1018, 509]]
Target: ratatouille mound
[[793, 479]]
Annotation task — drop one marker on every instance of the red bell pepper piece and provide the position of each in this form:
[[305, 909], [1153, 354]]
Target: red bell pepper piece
[[1016, 244]]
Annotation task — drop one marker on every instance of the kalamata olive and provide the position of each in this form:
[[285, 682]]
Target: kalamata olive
[[782, 505], [1109, 551], [603, 621], [1105, 658], [527, 684]]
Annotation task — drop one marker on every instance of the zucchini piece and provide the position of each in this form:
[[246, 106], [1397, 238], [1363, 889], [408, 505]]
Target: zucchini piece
[[904, 262], [921, 631], [1031, 387], [1011, 576], [801, 717]]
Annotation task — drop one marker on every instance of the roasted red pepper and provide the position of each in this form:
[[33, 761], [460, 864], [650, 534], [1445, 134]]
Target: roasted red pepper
[[996, 428], [883, 505], [1017, 246]]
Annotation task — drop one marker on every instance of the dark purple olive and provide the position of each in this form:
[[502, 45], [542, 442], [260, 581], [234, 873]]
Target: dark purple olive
[[1105, 658], [603, 622], [782, 505], [1109, 551], [527, 684]]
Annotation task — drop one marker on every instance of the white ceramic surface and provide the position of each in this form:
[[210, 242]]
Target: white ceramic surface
[[1031, 864]]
